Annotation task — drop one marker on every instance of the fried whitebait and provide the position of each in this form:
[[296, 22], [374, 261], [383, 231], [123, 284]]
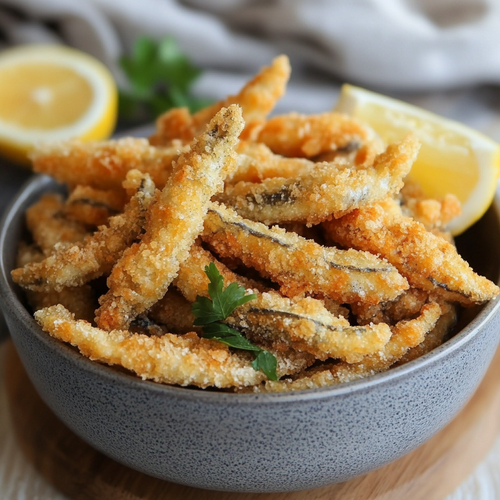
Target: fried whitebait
[[77, 264], [306, 136], [299, 265], [169, 359], [256, 99], [327, 190], [49, 225], [146, 269], [81, 300], [94, 207], [257, 162], [427, 261], [301, 324], [436, 336], [406, 335], [104, 165]]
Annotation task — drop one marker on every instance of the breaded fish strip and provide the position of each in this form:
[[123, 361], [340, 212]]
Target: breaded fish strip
[[406, 334], [77, 264], [256, 99], [329, 190], [436, 336], [433, 214], [299, 265], [427, 261], [257, 162], [48, 224], [301, 324], [174, 125], [79, 300], [306, 326], [304, 136], [94, 207], [169, 359], [104, 165], [144, 272]]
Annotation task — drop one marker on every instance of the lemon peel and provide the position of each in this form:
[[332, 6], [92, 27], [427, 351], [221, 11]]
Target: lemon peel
[[453, 159], [51, 93]]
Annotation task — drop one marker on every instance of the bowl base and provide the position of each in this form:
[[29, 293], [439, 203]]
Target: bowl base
[[431, 472]]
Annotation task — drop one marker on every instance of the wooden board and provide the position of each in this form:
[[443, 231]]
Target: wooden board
[[81, 473]]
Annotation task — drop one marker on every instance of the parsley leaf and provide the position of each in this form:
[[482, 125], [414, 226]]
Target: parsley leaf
[[225, 301], [210, 312], [160, 77], [229, 336], [267, 363]]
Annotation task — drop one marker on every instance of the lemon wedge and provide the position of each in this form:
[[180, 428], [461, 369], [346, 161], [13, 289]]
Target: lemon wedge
[[453, 158], [51, 92]]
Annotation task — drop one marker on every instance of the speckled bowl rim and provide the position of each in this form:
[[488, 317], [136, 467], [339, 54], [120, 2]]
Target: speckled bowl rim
[[458, 341]]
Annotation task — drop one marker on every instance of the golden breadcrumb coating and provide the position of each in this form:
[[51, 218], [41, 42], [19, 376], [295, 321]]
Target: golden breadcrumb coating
[[305, 136], [301, 265], [77, 264], [104, 165], [406, 334], [142, 275], [427, 261], [328, 190]]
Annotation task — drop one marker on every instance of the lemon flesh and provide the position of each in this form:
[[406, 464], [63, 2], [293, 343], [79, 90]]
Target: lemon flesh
[[453, 158], [50, 93]]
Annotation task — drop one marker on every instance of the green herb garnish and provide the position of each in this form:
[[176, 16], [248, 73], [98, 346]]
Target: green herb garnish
[[211, 312], [160, 77]]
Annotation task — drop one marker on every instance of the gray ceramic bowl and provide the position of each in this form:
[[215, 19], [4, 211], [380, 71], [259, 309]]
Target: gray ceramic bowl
[[259, 443]]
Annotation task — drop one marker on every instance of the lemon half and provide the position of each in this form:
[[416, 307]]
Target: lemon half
[[51, 92], [453, 158]]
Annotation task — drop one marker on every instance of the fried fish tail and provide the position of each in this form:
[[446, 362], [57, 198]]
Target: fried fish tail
[[170, 359]]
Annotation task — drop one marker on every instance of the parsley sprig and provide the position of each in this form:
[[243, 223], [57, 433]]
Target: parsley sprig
[[160, 77], [210, 312]]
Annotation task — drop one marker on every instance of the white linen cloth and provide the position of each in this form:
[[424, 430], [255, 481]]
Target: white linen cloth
[[392, 45]]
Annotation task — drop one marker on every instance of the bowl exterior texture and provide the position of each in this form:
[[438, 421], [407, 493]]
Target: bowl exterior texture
[[259, 443]]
